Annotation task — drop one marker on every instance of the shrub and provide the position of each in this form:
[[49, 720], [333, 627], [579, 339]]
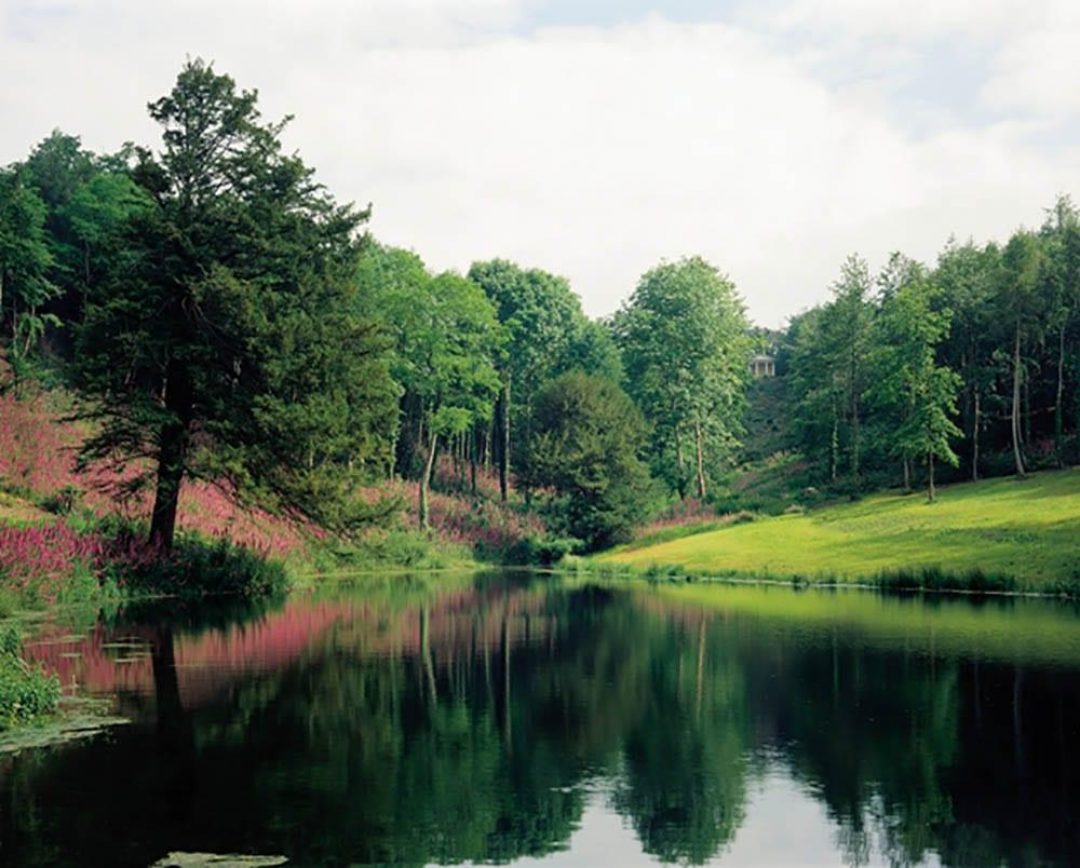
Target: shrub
[[586, 438], [64, 501], [26, 691], [196, 568], [543, 551]]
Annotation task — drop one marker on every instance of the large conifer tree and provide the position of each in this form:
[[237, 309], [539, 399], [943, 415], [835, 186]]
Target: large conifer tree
[[222, 345]]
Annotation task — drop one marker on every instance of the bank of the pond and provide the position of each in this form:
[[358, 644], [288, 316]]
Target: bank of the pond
[[27, 691], [998, 535]]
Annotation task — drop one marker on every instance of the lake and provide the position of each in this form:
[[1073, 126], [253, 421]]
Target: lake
[[525, 719]]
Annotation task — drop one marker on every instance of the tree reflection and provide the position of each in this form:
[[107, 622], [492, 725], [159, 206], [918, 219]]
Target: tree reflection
[[472, 726]]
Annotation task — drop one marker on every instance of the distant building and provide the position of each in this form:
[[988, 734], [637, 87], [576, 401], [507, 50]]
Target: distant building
[[763, 366]]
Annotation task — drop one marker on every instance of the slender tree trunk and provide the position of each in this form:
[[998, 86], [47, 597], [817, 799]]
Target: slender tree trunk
[[172, 456], [975, 440], [421, 437], [930, 475], [474, 447], [854, 431], [834, 444], [1016, 405], [1059, 409], [680, 460], [425, 480], [1025, 415], [699, 442], [504, 456], [907, 475]]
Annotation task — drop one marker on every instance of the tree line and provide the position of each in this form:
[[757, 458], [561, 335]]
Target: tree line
[[225, 318], [973, 363]]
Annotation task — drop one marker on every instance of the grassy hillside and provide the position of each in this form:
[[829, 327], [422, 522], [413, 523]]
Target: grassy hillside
[[1026, 529]]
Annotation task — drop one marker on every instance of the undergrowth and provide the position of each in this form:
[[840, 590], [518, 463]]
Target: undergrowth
[[27, 692]]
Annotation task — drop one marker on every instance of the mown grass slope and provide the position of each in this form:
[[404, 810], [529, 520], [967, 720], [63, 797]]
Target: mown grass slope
[[1028, 529]]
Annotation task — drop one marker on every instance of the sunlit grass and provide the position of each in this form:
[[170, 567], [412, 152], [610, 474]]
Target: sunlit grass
[[1028, 529]]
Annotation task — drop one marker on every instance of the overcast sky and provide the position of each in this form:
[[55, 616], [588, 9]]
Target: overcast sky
[[594, 138]]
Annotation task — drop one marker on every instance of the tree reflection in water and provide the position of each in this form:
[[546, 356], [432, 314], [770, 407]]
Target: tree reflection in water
[[478, 723]]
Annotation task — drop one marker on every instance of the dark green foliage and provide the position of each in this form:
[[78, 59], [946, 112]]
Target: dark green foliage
[[445, 338], [587, 437], [26, 692], [25, 260], [540, 551], [546, 334], [194, 568], [223, 343], [971, 363]]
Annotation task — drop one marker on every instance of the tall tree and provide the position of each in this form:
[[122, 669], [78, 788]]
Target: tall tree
[[541, 316], [223, 344], [586, 442], [968, 277], [446, 338], [1020, 306], [1061, 234], [818, 396], [850, 321], [685, 345], [921, 393]]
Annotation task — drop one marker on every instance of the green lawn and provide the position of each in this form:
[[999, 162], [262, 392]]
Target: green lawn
[[1028, 529]]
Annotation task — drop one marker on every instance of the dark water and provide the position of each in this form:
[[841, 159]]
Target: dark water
[[496, 721]]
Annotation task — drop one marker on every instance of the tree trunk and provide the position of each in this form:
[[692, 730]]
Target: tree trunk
[[854, 430], [1016, 405], [700, 445], [1025, 414], [504, 456], [681, 462], [172, 456], [474, 447], [834, 444], [1059, 409], [975, 440], [930, 475], [907, 475], [425, 480]]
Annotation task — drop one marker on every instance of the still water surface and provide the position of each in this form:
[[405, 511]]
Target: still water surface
[[527, 720]]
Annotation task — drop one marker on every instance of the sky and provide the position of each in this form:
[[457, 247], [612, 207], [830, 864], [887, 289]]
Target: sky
[[596, 138]]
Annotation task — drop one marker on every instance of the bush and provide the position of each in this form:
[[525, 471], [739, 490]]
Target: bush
[[10, 639], [26, 691], [197, 568], [542, 551], [64, 501], [586, 438]]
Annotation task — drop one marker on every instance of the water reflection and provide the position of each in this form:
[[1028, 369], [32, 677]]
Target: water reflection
[[498, 721]]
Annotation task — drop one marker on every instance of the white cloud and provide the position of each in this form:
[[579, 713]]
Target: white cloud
[[591, 152], [1032, 46]]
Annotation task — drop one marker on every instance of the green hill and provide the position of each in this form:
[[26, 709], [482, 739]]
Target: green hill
[[1024, 530]]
